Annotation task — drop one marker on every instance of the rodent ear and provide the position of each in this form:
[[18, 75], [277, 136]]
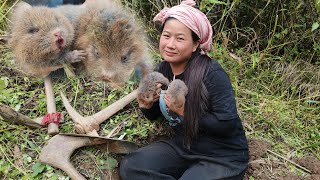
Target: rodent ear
[[20, 8], [124, 24]]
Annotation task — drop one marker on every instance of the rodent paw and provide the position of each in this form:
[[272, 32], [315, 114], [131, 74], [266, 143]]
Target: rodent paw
[[77, 56]]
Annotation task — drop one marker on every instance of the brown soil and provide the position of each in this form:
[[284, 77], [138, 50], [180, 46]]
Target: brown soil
[[263, 167]]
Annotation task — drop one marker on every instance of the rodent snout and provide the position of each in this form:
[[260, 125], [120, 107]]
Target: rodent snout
[[57, 34], [59, 40]]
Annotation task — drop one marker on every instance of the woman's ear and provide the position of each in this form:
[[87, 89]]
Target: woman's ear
[[195, 46]]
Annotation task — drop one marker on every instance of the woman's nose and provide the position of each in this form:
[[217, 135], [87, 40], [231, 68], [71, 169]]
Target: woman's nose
[[171, 43]]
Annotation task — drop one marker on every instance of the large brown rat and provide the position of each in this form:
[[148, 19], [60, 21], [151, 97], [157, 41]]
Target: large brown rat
[[41, 39], [114, 40], [148, 88]]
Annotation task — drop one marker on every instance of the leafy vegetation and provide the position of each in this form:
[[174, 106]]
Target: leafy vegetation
[[270, 49]]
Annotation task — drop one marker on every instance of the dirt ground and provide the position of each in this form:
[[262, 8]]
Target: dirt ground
[[263, 168]]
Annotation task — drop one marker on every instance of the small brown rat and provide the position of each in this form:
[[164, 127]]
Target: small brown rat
[[41, 39], [177, 92], [114, 41], [148, 88]]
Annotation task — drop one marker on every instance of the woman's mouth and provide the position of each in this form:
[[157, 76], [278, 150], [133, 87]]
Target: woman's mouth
[[170, 54]]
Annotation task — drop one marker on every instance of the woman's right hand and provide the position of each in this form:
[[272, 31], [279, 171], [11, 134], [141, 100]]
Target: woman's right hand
[[146, 99]]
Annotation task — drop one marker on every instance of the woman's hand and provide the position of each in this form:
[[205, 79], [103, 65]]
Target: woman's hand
[[146, 99]]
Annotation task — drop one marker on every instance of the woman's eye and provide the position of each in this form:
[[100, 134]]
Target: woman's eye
[[33, 30], [164, 35]]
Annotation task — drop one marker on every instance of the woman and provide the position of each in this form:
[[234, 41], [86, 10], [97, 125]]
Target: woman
[[210, 142]]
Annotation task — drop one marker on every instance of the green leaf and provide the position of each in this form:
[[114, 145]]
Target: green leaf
[[2, 84], [111, 163], [318, 4], [110, 96], [217, 2], [37, 169], [17, 107], [32, 146], [53, 177], [27, 159], [312, 145], [314, 26], [25, 177], [315, 137]]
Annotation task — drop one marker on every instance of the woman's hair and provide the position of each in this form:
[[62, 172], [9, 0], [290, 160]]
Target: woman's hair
[[197, 98]]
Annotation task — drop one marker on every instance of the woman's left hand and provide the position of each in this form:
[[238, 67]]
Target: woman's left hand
[[172, 105]]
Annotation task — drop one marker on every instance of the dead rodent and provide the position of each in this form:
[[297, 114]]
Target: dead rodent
[[41, 39], [177, 92], [114, 41], [148, 88]]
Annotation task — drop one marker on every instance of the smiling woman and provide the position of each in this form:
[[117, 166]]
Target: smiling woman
[[209, 140], [177, 44]]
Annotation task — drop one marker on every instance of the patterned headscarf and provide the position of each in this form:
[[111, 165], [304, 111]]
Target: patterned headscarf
[[193, 18]]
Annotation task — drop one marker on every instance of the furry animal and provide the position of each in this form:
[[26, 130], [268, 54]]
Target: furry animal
[[41, 39], [114, 41], [177, 92], [148, 88]]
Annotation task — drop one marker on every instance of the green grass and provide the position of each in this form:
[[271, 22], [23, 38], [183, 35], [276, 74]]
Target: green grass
[[269, 106]]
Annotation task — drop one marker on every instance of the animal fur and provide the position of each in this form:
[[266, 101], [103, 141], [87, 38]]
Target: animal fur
[[148, 88], [177, 92], [114, 41], [41, 39]]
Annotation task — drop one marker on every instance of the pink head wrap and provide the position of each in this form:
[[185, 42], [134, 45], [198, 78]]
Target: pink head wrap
[[193, 18]]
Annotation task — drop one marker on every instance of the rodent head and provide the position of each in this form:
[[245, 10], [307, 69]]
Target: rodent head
[[38, 33], [177, 87], [177, 91], [115, 44], [148, 88]]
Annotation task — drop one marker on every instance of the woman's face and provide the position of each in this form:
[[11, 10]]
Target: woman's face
[[176, 44]]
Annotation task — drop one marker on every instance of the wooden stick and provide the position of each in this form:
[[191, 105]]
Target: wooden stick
[[10, 115], [297, 165]]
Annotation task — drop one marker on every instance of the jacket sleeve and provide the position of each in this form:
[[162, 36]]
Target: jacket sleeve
[[222, 116]]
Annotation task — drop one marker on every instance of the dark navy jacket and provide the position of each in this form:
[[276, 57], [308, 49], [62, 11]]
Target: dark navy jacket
[[221, 134]]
